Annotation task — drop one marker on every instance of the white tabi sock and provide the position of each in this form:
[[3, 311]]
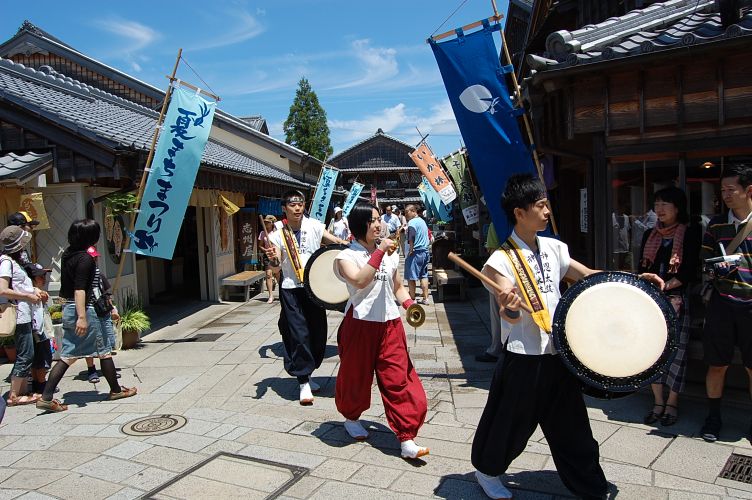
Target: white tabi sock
[[492, 486], [409, 449]]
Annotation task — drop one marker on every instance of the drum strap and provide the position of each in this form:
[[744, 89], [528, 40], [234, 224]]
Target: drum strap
[[293, 253], [528, 285]]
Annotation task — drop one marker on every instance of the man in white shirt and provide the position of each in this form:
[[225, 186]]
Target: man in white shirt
[[390, 223], [531, 385], [302, 323]]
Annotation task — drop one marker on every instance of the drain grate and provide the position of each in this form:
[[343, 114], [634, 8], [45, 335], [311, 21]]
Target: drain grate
[[208, 337], [154, 425], [738, 468], [226, 475]]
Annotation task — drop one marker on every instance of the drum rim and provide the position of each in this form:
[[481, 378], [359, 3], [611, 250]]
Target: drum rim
[[596, 380], [335, 306]]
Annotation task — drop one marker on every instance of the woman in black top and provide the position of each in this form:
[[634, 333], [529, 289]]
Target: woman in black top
[[84, 333], [671, 250]]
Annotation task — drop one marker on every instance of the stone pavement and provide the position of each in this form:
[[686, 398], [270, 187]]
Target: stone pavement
[[237, 399]]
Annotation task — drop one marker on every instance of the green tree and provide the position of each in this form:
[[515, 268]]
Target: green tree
[[305, 127]]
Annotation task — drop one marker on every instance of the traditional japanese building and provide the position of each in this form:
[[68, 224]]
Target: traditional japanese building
[[381, 161], [94, 126]]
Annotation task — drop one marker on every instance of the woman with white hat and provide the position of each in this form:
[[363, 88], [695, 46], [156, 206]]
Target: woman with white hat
[[340, 228], [16, 287]]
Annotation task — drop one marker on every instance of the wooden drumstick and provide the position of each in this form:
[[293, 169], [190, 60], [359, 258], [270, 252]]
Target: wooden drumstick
[[485, 279]]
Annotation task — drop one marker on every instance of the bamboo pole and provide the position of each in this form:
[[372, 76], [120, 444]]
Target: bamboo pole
[[145, 175], [528, 128]]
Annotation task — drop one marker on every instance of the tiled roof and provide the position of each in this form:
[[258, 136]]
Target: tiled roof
[[381, 168], [50, 43], [661, 26], [255, 122], [108, 119], [379, 133], [21, 167]]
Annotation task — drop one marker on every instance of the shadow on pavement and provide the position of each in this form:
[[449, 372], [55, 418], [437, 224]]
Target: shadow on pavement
[[278, 350]]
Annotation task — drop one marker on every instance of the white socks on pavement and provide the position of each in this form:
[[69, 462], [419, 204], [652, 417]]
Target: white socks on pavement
[[356, 430], [409, 449], [306, 396], [492, 486]]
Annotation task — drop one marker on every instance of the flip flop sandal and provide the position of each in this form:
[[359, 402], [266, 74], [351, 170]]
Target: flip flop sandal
[[54, 406], [94, 378], [124, 393], [23, 400]]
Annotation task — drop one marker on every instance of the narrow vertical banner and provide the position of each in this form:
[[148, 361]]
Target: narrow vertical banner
[[477, 90], [373, 195], [33, 204], [323, 193], [456, 165], [352, 198], [442, 211], [173, 172], [431, 169]]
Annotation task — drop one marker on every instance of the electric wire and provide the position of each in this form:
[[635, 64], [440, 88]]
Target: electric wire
[[450, 16]]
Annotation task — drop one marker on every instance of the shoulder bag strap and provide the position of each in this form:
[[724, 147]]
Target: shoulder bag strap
[[740, 236]]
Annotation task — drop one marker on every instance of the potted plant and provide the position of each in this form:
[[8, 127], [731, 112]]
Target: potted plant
[[9, 344], [133, 321]]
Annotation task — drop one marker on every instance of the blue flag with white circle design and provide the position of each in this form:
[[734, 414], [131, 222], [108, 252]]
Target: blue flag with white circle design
[[476, 84]]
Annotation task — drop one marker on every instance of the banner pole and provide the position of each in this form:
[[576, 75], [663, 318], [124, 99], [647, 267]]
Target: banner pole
[[145, 174], [528, 129]]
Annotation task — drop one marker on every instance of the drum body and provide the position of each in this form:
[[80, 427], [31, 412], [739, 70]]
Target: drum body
[[615, 332], [320, 282]]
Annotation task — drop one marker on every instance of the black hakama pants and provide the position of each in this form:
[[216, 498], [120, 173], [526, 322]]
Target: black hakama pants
[[303, 326], [528, 390]]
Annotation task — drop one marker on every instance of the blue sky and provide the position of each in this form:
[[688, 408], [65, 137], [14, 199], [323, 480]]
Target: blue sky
[[367, 61]]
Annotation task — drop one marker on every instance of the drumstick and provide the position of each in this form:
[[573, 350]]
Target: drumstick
[[485, 279]]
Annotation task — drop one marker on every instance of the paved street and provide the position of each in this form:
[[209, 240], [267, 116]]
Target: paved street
[[232, 389]]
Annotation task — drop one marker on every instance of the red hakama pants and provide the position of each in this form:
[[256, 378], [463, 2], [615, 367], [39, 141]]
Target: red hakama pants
[[366, 347]]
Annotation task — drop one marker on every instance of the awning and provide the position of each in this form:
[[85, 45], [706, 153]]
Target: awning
[[18, 170]]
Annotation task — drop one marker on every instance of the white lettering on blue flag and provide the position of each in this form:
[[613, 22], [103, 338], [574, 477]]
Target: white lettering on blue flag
[[352, 198], [173, 171], [323, 193]]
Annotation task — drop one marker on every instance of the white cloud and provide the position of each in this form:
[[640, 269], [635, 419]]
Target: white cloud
[[378, 64], [400, 122], [135, 66], [138, 35], [244, 27]]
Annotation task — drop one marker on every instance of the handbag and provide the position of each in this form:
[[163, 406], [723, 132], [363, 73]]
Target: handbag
[[8, 313], [102, 305]]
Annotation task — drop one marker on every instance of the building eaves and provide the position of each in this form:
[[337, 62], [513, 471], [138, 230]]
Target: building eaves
[[379, 134], [52, 44], [692, 30], [21, 168], [108, 119]]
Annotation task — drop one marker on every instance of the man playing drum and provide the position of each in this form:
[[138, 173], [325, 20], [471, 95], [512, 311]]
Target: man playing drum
[[531, 385], [302, 323]]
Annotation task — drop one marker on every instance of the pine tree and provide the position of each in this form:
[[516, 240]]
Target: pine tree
[[305, 127]]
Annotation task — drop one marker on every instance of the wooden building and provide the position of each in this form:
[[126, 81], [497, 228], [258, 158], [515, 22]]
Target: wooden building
[[381, 161]]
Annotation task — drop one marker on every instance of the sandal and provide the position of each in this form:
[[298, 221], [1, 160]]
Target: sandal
[[54, 405], [669, 419], [93, 377], [23, 400], [653, 417], [124, 393]]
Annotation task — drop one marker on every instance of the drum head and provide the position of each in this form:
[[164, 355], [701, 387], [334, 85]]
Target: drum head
[[323, 287], [615, 332]]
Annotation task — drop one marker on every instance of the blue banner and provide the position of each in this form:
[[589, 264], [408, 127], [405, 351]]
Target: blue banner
[[475, 82], [352, 198], [437, 207], [173, 172], [270, 206], [323, 193]]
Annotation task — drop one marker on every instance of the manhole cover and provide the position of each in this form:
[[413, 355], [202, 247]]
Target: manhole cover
[[226, 475], [154, 425], [738, 468]]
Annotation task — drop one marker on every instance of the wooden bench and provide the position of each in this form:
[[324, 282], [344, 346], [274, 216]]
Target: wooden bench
[[244, 279], [444, 277]]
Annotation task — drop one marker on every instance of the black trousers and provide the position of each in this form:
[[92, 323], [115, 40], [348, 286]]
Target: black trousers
[[303, 327], [531, 390]]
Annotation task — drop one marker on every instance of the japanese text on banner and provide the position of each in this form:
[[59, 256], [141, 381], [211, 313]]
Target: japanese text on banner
[[173, 172], [456, 165], [352, 198], [430, 167], [323, 194]]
